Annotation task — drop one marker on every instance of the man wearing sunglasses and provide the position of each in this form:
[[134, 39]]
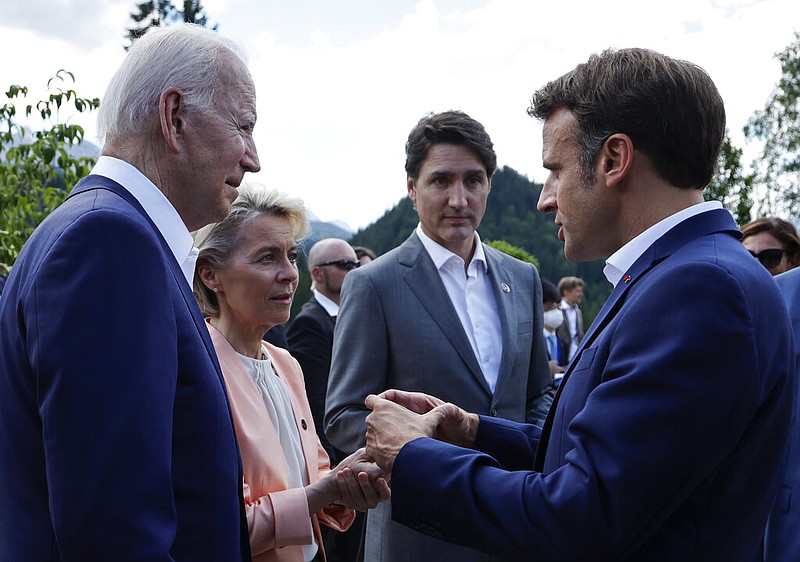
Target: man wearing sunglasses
[[443, 314], [310, 342]]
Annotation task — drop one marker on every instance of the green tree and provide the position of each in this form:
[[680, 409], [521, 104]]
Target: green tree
[[513, 251], [731, 186], [778, 127], [155, 13], [37, 169]]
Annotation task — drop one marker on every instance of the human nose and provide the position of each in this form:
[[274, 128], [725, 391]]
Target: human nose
[[250, 160], [547, 198], [288, 272], [457, 196]]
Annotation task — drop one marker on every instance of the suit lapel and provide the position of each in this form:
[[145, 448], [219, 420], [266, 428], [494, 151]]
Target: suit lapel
[[424, 281], [503, 289], [694, 227]]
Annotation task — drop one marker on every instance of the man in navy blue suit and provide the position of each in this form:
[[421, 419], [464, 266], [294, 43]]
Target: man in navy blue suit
[[782, 540], [116, 438], [667, 435]]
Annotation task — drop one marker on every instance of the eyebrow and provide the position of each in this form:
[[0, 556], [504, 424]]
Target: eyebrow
[[450, 173]]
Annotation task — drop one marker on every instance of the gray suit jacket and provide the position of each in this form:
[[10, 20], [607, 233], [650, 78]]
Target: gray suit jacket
[[397, 328]]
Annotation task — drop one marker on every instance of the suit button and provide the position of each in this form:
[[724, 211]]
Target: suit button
[[303, 424], [494, 412]]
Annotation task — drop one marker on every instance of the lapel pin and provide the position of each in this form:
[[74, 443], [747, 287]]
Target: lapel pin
[[626, 278], [505, 287]]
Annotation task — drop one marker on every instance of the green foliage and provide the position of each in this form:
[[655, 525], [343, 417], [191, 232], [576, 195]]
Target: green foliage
[[155, 13], [37, 174], [513, 251], [511, 216], [778, 127], [730, 185]]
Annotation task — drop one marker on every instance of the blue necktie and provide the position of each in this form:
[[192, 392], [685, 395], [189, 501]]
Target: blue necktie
[[552, 346]]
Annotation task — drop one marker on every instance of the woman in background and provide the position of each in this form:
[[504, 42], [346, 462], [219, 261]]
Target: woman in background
[[245, 279], [774, 242]]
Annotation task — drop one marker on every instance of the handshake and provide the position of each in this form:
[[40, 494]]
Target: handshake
[[398, 417]]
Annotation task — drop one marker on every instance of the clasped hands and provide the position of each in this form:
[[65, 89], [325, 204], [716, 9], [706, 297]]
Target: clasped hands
[[398, 417]]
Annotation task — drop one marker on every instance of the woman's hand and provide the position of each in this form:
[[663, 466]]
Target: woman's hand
[[356, 483]]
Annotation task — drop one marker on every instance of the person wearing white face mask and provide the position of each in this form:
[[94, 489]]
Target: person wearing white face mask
[[557, 349]]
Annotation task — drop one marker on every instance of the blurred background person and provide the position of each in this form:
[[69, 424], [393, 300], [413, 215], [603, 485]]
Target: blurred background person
[[245, 280], [557, 348], [364, 255], [774, 242], [571, 331]]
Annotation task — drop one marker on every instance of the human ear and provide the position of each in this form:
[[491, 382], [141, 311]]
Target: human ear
[[412, 189], [209, 277], [616, 158], [171, 114]]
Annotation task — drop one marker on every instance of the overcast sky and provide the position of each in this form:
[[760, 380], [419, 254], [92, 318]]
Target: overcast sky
[[341, 82]]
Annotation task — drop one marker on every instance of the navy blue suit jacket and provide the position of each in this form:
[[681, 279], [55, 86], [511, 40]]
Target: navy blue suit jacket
[[782, 540], [116, 438], [667, 434]]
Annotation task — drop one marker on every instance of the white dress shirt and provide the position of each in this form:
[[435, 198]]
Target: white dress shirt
[[472, 296], [620, 261], [330, 307], [158, 208]]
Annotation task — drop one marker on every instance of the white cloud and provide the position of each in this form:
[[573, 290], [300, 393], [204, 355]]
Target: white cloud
[[340, 84]]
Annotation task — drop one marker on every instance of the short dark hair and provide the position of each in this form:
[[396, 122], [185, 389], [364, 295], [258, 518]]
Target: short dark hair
[[549, 292], [671, 110], [781, 229], [451, 127]]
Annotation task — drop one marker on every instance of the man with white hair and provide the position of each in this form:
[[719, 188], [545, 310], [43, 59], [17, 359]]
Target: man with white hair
[[116, 437]]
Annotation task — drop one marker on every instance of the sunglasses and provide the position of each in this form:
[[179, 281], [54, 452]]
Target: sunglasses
[[769, 258], [345, 265]]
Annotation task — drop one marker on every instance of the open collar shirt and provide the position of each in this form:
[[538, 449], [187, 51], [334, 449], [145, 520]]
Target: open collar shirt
[[620, 261], [474, 301]]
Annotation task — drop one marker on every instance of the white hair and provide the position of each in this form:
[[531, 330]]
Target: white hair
[[185, 56]]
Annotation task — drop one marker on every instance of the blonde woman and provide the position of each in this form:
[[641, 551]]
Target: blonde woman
[[245, 280]]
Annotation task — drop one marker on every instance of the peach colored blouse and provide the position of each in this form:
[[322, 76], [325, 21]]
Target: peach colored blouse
[[277, 515]]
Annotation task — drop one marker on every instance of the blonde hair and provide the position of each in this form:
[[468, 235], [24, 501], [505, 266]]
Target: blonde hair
[[217, 241]]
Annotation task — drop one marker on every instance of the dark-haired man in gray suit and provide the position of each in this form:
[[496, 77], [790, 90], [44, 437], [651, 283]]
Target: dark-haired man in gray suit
[[442, 314]]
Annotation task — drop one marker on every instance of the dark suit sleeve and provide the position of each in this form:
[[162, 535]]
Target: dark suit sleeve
[[103, 346], [661, 424], [310, 343]]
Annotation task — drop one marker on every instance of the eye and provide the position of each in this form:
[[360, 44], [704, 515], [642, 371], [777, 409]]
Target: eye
[[474, 181], [292, 257], [439, 181], [247, 127], [266, 258]]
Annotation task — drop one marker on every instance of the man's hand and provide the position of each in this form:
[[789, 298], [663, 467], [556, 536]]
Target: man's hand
[[415, 401], [390, 425], [457, 426]]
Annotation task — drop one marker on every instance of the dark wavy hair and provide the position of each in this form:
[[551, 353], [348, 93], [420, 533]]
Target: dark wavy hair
[[452, 127], [671, 110]]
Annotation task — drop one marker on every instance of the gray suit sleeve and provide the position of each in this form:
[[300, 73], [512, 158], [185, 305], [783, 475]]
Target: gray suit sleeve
[[359, 362], [539, 377]]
